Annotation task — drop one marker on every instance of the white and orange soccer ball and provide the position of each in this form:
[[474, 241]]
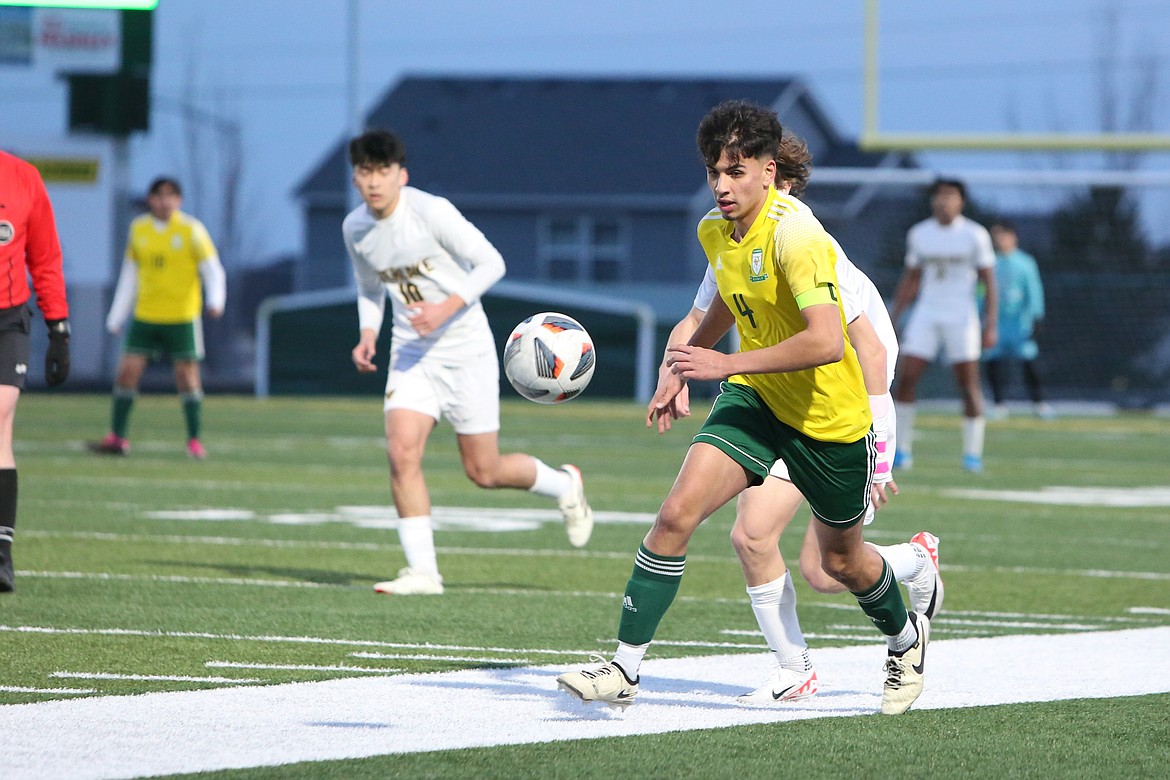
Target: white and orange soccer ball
[[549, 358]]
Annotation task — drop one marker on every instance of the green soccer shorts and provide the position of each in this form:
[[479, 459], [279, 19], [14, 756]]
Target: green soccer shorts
[[182, 340], [834, 477]]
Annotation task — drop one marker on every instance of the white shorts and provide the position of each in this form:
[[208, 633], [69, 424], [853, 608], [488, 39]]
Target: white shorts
[[779, 470], [929, 329], [467, 395]]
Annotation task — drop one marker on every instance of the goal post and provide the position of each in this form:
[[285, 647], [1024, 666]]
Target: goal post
[[874, 140]]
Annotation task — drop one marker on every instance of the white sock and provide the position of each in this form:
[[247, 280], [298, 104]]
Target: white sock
[[973, 428], [629, 658], [418, 542], [905, 426], [549, 481], [902, 559], [903, 641], [775, 606]]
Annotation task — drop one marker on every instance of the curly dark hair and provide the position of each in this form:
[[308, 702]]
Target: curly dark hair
[[376, 148], [741, 129], [794, 164]]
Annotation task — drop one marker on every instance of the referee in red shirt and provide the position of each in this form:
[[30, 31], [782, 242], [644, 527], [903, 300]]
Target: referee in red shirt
[[29, 247]]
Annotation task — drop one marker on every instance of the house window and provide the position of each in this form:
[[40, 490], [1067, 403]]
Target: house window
[[584, 248]]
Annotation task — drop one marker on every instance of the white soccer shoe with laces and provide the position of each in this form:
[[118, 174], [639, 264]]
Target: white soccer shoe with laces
[[606, 683], [926, 587], [411, 582], [575, 509], [782, 686], [905, 673]]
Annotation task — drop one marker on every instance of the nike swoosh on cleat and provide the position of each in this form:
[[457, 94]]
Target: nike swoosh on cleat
[[921, 665], [776, 696]]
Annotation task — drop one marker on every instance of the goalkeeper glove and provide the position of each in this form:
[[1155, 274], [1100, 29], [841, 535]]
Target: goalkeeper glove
[[57, 355]]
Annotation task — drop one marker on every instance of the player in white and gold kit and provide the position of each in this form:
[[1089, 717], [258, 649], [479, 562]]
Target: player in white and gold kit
[[793, 392], [946, 255], [434, 265]]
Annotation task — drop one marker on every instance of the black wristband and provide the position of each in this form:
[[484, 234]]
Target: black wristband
[[58, 327]]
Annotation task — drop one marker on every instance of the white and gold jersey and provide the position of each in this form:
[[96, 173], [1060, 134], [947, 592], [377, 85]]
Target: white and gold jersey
[[949, 256], [425, 250]]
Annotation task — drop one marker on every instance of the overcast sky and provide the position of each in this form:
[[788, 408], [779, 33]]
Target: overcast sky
[[279, 69]]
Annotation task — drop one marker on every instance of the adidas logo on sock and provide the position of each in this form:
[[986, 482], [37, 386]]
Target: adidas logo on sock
[[628, 603]]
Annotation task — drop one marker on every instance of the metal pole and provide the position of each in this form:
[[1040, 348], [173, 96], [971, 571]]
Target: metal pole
[[353, 82], [120, 187]]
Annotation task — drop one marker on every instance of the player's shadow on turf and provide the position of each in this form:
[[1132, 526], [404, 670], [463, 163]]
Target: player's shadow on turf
[[528, 684], [315, 576]]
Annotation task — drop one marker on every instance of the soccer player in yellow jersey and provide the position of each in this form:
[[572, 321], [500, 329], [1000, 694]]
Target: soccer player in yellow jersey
[[170, 261], [794, 392]]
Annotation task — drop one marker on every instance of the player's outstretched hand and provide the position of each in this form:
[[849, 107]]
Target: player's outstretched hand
[[363, 356], [691, 362], [878, 493], [427, 317], [990, 335], [671, 401]]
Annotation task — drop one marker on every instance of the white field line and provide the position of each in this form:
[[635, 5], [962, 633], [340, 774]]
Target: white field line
[[1093, 573], [301, 667], [273, 725], [177, 578], [280, 488], [951, 621], [308, 640], [152, 677], [523, 552], [423, 657], [53, 691]]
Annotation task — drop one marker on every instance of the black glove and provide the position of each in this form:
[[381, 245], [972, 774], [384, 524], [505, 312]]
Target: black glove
[[57, 355]]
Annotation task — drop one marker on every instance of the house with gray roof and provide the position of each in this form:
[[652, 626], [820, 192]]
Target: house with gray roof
[[589, 183]]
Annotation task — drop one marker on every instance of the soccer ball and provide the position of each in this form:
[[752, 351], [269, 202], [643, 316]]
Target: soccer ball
[[549, 358]]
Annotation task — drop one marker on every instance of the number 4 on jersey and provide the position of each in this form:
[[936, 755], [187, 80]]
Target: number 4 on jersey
[[743, 309]]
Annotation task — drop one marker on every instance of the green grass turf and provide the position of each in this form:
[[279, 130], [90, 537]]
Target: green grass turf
[[166, 596]]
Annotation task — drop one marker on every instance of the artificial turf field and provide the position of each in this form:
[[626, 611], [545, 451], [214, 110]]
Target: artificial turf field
[[154, 573]]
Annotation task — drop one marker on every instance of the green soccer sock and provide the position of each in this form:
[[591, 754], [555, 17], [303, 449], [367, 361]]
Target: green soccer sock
[[883, 603], [123, 402], [193, 413], [649, 593]]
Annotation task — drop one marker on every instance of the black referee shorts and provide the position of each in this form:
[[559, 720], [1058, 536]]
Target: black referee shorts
[[14, 345]]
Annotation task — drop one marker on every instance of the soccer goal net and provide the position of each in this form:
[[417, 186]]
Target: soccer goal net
[[304, 339]]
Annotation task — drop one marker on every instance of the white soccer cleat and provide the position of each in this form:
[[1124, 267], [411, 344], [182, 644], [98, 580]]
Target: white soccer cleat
[[783, 685], [411, 582], [575, 509], [607, 683], [905, 672], [926, 587]]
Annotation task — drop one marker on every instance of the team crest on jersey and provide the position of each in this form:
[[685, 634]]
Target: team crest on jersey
[[758, 273], [7, 232], [176, 242]]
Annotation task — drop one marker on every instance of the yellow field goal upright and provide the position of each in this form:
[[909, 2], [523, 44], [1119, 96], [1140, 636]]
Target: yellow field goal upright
[[872, 139]]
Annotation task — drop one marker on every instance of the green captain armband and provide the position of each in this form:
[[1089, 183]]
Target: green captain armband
[[822, 293]]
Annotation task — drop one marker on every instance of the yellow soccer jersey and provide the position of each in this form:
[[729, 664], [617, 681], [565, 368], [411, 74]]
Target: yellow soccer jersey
[[785, 257], [169, 288]]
